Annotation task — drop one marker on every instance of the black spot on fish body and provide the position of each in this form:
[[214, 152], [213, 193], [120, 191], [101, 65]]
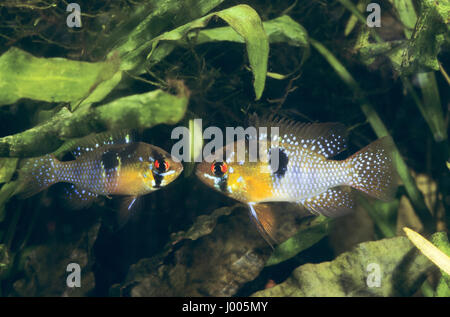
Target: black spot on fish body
[[110, 160], [283, 161]]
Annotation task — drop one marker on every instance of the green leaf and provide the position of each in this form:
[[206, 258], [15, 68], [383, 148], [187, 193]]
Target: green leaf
[[432, 112], [50, 79], [6, 192], [302, 240], [361, 6], [5, 261], [429, 34], [402, 271], [384, 214], [406, 13], [131, 112], [246, 22], [7, 168], [279, 30], [440, 239], [132, 40]]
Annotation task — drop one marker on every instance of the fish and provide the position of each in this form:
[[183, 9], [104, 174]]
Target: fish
[[306, 175], [105, 164]]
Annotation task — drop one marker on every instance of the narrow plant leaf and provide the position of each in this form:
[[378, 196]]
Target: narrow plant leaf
[[361, 6], [429, 250], [432, 112], [384, 214], [195, 146], [7, 168], [302, 240], [377, 268], [360, 16], [6, 192], [406, 13], [246, 22], [5, 261], [23, 75]]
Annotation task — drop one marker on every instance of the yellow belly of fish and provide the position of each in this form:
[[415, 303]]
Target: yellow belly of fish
[[130, 182], [252, 184]]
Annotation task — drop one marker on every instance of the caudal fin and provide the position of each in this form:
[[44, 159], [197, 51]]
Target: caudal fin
[[36, 174], [373, 169]]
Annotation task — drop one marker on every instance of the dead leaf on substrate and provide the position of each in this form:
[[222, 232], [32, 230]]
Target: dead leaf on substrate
[[215, 257]]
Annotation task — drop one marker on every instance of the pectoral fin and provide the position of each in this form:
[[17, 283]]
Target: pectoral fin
[[336, 201], [128, 206], [120, 209]]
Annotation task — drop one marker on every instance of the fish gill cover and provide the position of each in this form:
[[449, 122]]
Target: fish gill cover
[[150, 65]]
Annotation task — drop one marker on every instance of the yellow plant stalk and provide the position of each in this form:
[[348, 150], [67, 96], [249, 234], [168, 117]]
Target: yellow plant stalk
[[429, 250]]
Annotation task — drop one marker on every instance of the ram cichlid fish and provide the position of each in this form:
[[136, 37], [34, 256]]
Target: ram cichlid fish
[[104, 165], [306, 174]]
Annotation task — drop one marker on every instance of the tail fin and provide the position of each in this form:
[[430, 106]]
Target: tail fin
[[36, 174], [373, 169]]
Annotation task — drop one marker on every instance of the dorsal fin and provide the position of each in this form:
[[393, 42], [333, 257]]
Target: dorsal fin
[[92, 141], [327, 139]]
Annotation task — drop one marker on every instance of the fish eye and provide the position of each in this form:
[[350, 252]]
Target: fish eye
[[161, 166], [219, 168]]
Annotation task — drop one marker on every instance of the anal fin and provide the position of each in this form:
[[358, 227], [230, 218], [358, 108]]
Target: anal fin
[[77, 198], [334, 202]]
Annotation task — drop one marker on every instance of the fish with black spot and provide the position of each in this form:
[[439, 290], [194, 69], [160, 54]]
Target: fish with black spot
[[105, 164], [305, 175]]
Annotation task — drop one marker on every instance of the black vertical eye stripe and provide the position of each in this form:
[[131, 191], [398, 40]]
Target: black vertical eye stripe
[[158, 180], [223, 183]]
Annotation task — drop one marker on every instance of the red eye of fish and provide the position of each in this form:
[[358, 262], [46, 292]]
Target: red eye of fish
[[162, 166], [219, 168]]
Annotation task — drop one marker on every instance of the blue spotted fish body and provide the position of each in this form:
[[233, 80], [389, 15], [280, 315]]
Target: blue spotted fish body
[[102, 168], [306, 174]]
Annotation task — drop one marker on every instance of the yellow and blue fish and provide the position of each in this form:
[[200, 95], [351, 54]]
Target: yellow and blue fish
[[306, 174], [104, 165]]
